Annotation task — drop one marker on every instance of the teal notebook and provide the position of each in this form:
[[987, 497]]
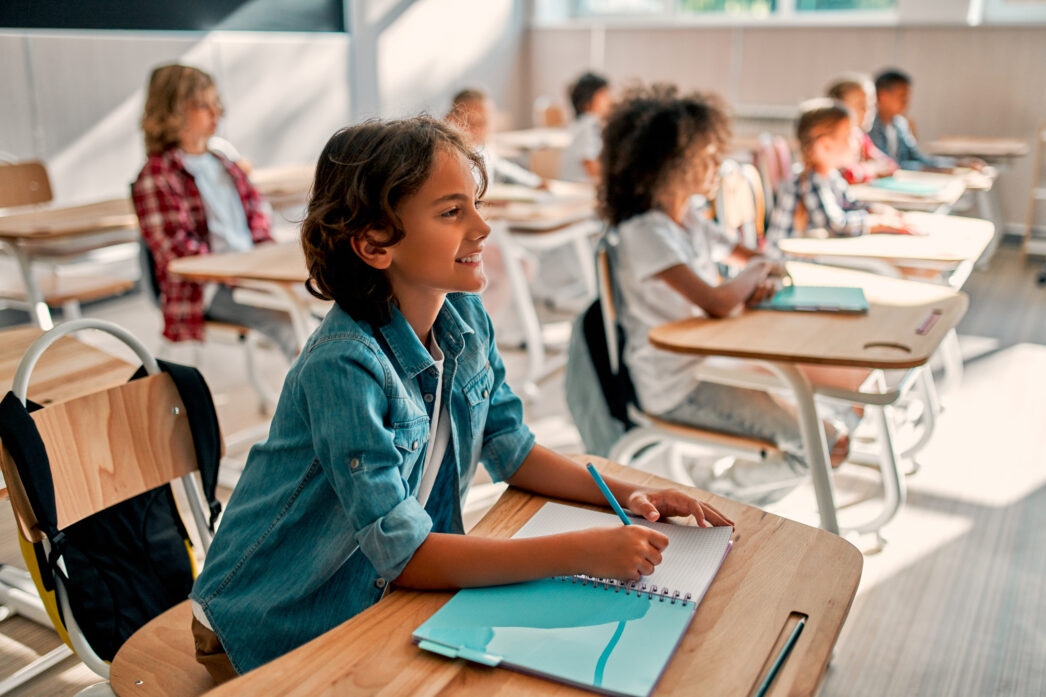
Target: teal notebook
[[817, 299], [599, 634], [907, 186]]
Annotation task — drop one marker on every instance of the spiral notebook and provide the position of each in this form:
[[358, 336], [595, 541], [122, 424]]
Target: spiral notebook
[[600, 634]]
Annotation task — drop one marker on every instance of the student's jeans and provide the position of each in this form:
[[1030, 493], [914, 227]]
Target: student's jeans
[[273, 324]]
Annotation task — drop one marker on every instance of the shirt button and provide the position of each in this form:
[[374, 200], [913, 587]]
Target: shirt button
[[354, 463], [429, 398], [485, 394], [380, 583], [414, 445]]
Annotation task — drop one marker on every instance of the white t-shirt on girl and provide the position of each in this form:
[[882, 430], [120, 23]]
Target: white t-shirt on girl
[[648, 244]]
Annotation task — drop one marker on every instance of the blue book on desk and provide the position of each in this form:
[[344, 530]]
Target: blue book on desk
[[817, 299], [599, 634], [907, 186]]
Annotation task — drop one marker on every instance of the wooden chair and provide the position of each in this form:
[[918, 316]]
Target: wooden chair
[[548, 114], [104, 448], [26, 184], [738, 208]]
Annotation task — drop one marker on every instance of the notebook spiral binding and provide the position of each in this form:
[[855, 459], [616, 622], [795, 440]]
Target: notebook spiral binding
[[640, 589]]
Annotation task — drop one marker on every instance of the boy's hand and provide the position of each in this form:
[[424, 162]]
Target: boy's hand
[[654, 504], [624, 552]]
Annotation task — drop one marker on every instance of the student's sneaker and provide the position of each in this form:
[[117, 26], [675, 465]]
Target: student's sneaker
[[760, 483]]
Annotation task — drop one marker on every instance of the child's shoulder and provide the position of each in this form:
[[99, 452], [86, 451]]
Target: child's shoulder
[[470, 308]]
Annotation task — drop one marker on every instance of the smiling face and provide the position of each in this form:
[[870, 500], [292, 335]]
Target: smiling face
[[441, 251]]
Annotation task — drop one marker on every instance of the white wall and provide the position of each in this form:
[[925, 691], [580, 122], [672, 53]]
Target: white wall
[[969, 80], [77, 98]]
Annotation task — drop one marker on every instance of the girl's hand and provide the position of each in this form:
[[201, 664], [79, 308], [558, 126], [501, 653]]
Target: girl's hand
[[624, 552], [766, 289], [654, 504]]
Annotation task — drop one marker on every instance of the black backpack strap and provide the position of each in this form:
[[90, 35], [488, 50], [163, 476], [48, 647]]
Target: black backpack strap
[[203, 423], [22, 440]]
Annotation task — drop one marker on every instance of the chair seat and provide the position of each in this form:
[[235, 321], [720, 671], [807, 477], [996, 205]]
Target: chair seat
[[162, 656], [58, 290], [713, 438], [238, 329]]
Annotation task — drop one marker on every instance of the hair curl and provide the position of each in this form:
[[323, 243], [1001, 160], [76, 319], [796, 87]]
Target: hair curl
[[364, 173], [649, 135], [170, 89]]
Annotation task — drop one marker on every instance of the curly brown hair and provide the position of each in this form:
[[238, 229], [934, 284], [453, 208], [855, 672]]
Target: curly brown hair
[[649, 135], [363, 174], [171, 87]]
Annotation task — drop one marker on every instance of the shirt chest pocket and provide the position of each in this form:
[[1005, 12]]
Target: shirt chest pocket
[[410, 440], [478, 394]]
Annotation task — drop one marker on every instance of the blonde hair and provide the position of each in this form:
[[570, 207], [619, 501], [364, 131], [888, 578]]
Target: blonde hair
[[170, 89]]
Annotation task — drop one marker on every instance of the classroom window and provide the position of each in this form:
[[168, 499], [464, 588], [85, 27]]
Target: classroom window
[[621, 7], [756, 8]]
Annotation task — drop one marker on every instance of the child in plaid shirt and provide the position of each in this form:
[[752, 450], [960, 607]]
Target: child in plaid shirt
[[818, 198]]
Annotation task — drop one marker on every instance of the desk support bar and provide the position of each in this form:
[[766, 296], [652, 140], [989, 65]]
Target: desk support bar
[[811, 428]]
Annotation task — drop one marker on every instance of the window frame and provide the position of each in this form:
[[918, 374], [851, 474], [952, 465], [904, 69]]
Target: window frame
[[671, 16]]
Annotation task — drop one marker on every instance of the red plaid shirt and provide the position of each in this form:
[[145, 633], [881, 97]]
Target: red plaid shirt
[[174, 224]]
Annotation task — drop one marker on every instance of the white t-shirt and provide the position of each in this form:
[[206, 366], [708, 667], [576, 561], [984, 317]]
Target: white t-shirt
[[648, 244], [439, 429], [586, 142], [226, 219]]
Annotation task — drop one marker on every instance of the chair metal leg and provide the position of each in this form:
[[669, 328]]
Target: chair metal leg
[[30, 671], [18, 596], [266, 398], [894, 487]]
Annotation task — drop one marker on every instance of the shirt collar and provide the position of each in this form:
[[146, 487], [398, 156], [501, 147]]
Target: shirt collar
[[407, 348]]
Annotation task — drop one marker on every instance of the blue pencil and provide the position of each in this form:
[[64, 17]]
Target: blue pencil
[[606, 492]]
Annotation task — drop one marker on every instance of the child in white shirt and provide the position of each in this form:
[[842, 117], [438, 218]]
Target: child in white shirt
[[591, 98]]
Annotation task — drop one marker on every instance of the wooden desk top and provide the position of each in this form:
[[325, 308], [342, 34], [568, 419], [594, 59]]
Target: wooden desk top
[[978, 146], [952, 189], [284, 185], [51, 221], [531, 139], [68, 369], [775, 568], [888, 336], [948, 240], [274, 263]]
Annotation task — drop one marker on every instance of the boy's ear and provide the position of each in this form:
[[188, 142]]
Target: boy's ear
[[372, 254]]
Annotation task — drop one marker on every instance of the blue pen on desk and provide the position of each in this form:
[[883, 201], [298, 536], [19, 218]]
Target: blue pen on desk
[[606, 492]]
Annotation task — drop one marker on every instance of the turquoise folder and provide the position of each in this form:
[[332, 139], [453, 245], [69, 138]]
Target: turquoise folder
[[907, 186], [817, 299], [593, 634]]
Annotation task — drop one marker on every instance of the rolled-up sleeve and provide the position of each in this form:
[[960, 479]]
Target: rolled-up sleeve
[[506, 439], [348, 411]]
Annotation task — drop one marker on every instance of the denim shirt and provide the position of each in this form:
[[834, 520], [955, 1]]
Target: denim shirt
[[326, 511], [907, 153]]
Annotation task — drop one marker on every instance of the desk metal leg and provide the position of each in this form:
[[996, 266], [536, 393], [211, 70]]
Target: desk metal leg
[[38, 311], [524, 303], [296, 308], [989, 208], [815, 442]]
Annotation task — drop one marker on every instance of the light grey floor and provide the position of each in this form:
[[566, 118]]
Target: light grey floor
[[952, 606]]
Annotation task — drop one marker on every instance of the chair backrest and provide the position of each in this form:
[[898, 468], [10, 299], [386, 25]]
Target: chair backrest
[[545, 162], [548, 114], [606, 304], [24, 183], [736, 205], [755, 182], [783, 151]]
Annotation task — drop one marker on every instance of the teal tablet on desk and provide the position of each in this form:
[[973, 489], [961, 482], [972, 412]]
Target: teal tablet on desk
[[598, 634], [907, 186], [817, 299]]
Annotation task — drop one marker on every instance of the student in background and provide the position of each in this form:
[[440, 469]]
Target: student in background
[[397, 397], [818, 198], [892, 134], [472, 110], [591, 98], [191, 199], [661, 154], [858, 94]]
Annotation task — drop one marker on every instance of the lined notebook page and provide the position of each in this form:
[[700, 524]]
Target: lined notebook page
[[688, 565]]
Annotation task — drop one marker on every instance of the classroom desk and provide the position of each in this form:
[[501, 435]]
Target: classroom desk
[[544, 223], [905, 323], [76, 229], [950, 244], [983, 147], [509, 143], [777, 567], [952, 189], [277, 268]]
